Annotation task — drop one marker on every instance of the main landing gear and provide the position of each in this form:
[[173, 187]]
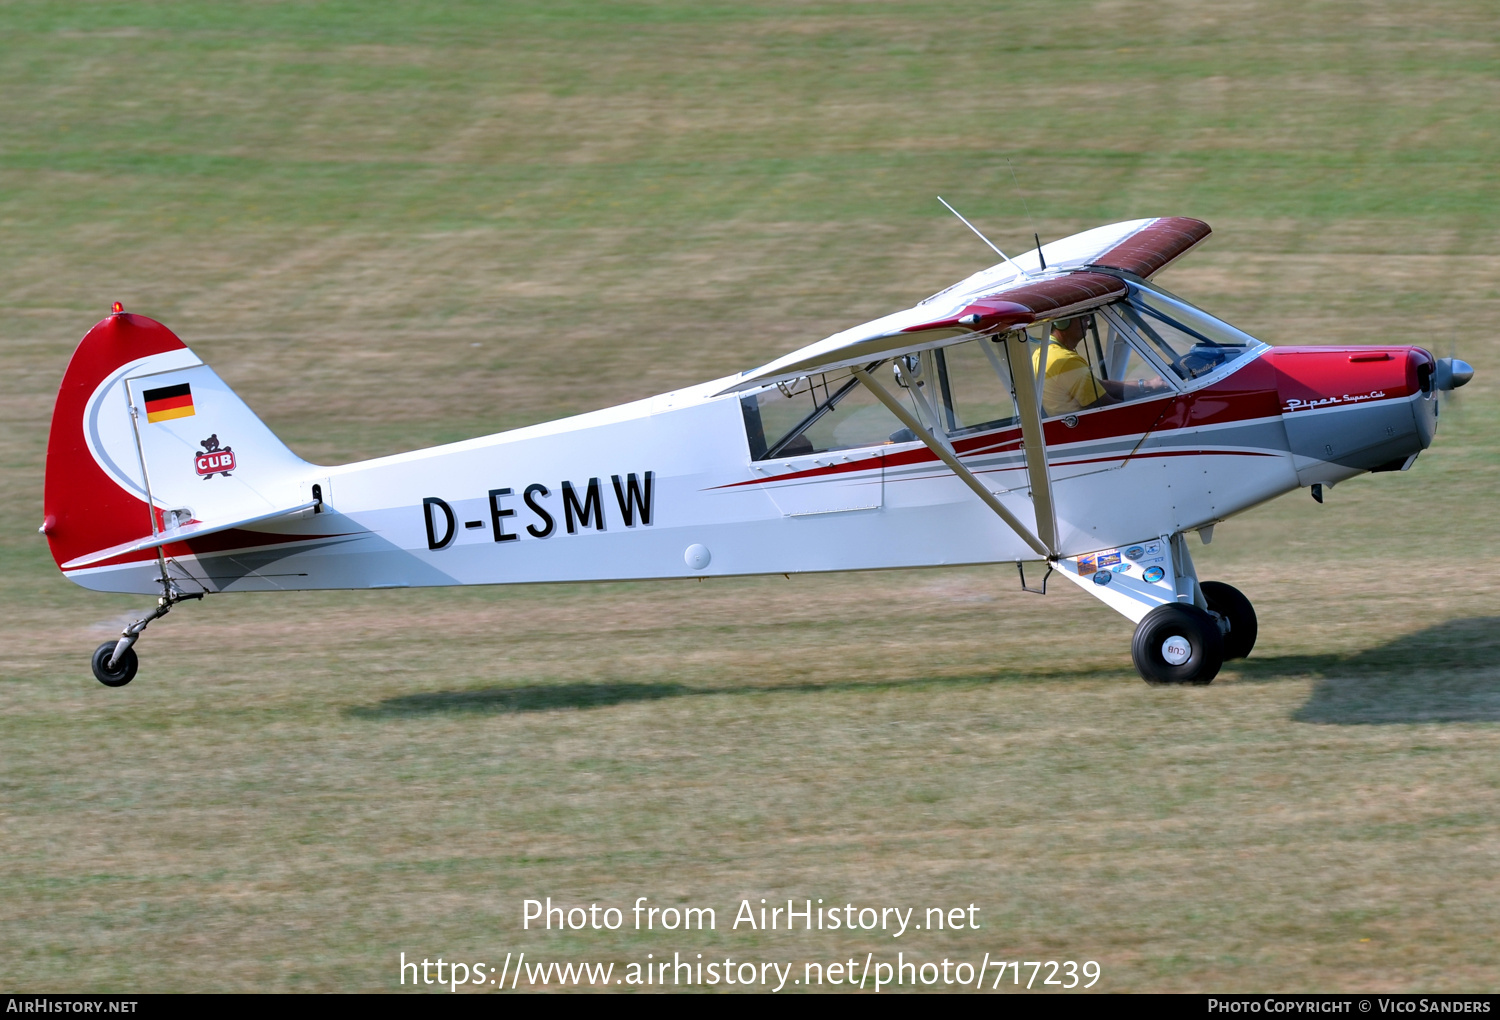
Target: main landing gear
[[115, 662], [1178, 643]]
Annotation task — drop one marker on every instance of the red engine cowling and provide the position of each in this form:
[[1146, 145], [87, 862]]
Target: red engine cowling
[[1354, 409]]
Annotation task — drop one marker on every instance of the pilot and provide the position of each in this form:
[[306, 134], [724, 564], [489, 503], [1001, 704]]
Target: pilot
[[1071, 384]]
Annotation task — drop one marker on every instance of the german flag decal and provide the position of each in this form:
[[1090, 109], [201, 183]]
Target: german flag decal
[[169, 402]]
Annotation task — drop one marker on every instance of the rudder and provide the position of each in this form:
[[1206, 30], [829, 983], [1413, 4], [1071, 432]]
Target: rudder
[[142, 428]]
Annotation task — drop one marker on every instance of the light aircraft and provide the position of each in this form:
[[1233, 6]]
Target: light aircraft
[[1056, 408]]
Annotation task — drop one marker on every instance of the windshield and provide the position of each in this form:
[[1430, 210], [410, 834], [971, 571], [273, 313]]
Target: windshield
[[1188, 339]]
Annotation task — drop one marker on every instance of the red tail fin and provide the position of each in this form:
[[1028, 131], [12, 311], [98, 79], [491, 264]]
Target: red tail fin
[[84, 508]]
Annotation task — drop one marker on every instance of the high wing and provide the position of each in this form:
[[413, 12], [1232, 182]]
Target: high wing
[[1058, 280], [193, 529], [1061, 279]]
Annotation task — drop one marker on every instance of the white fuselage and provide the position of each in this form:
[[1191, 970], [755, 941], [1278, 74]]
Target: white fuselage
[[712, 511]]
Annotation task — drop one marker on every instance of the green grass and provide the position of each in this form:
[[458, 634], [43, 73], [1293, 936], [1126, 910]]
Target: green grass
[[333, 203]]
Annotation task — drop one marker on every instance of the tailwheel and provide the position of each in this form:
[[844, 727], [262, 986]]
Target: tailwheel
[[115, 662], [1230, 603], [1178, 644], [121, 672]]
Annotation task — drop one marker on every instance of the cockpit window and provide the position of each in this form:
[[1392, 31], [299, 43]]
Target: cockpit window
[[975, 386], [1110, 355], [1087, 361], [815, 414], [1188, 339]]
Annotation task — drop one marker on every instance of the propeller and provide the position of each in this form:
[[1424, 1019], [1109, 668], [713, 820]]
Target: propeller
[[1450, 374], [1453, 373]]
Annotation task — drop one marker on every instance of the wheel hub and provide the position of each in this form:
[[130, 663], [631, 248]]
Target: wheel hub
[[1176, 650]]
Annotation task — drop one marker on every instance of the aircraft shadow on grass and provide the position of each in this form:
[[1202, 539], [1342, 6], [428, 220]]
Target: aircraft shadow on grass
[[545, 697], [1446, 673], [527, 698]]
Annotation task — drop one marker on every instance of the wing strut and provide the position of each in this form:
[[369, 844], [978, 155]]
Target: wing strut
[[1033, 441], [945, 455]]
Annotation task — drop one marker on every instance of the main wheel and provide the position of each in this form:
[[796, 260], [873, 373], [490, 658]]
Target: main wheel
[[1230, 603], [1177, 644], [123, 671]]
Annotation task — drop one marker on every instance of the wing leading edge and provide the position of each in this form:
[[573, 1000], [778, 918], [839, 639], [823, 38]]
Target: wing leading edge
[[1059, 280]]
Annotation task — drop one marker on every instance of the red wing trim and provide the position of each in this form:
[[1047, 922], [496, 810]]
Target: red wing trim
[[1046, 299], [1153, 248]]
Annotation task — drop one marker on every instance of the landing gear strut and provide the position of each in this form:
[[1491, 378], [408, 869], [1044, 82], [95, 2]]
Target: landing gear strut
[[1238, 615], [115, 662]]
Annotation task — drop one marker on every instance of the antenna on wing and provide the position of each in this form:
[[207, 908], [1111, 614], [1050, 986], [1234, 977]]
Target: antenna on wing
[[986, 240], [1035, 234]]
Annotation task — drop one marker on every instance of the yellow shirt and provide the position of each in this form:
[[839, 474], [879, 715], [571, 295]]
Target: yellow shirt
[[1070, 384]]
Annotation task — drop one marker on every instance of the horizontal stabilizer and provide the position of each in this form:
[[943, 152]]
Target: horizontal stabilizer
[[196, 529]]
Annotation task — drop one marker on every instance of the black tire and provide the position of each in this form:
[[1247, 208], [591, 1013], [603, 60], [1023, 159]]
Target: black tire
[[1200, 640], [124, 670], [1230, 603]]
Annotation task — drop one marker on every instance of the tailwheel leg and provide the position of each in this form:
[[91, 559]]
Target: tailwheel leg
[[115, 662]]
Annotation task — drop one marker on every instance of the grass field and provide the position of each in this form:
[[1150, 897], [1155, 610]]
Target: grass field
[[399, 224]]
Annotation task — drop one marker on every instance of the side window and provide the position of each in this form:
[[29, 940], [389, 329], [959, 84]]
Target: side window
[[814, 414], [856, 419], [1091, 362], [976, 395], [1137, 377], [773, 415], [1073, 378]]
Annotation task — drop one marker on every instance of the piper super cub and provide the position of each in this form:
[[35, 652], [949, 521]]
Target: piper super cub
[[1055, 408]]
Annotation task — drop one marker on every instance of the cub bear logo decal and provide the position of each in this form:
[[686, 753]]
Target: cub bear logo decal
[[212, 460]]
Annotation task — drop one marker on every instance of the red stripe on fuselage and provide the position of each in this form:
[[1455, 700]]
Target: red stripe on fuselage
[[233, 540], [1247, 394]]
